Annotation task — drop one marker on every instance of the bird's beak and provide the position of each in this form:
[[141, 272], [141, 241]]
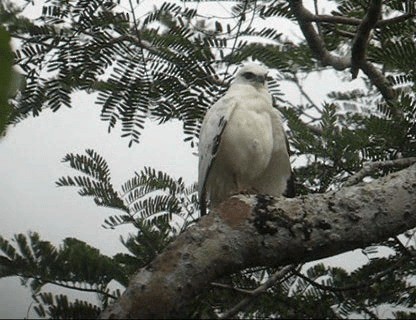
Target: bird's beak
[[260, 79]]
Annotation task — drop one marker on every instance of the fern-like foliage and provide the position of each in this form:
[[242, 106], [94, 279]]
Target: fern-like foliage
[[165, 65], [317, 290], [96, 181], [155, 204], [58, 307], [150, 198], [74, 265]]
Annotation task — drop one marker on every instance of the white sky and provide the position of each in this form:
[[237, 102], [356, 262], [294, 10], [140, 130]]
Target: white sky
[[30, 163]]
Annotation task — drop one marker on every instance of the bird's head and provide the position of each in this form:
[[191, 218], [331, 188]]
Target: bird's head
[[253, 74]]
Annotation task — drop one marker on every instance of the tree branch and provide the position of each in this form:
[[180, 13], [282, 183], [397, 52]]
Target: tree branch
[[370, 167], [315, 42], [319, 50], [355, 21], [379, 80], [277, 276], [394, 20], [248, 231], [362, 36]]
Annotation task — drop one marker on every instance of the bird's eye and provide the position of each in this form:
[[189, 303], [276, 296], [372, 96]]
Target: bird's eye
[[249, 75]]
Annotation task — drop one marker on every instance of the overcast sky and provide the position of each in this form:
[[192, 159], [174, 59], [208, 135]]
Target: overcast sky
[[30, 163]]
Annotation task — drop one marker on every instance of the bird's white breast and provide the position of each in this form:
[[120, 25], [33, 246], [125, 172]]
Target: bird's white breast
[[247, 142]]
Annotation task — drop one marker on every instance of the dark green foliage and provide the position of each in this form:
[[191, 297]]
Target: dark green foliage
[[74, 265], [174, 63], [155, 204], [58, 307], [6, 59], [152, 202], [96, 183]]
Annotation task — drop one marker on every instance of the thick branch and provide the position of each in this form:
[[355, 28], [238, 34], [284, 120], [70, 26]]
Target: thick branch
[[319, 50], [362, 36], [314, 40], [248, 231]]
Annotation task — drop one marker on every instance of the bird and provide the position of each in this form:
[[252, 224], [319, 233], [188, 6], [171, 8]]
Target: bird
[[242, 146]]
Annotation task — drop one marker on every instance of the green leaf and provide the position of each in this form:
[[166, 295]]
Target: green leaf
[[6, 60]]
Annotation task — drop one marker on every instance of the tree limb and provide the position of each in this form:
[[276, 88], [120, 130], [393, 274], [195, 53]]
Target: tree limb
[[315, 42], [379, 80], [277, 276], [370, 167], [247, 231], [362, 36], [319, 50], [355, 21]]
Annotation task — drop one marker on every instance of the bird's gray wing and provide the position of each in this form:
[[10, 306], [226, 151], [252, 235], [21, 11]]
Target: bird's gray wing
[[210, 135], [290, 191]]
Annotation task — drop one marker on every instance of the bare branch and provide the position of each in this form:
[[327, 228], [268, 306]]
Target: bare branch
[[318, 24], [370, 167], [296, 81], [246, 231], [315, 42], [276, 277], [345, 34], [357, 22], [379, 80], [335, 19], [319, 50], [362, 36], [228, 286], [394, 20]]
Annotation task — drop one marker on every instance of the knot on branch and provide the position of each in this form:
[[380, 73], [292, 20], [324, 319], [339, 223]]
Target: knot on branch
[[268, 219]]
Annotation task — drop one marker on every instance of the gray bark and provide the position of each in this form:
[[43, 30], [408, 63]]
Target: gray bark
[[258, 230]]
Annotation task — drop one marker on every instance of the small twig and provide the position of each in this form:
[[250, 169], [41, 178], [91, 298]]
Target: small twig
[[403, 247], [370, 167], [344, 33], [314, 129], [228, 286], [296, 81], [362, 36], [240, 23], [369, 312], [254, 293], [356, 21], [336, 19], [60, 284], [28, 310], [318, 24], [397, 19]]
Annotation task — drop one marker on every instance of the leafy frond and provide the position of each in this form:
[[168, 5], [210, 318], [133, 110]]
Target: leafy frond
[[97, 183], [74, 264], [58, 307]]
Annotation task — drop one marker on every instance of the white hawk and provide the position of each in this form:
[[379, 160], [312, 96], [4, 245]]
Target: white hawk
[[242, 145]]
